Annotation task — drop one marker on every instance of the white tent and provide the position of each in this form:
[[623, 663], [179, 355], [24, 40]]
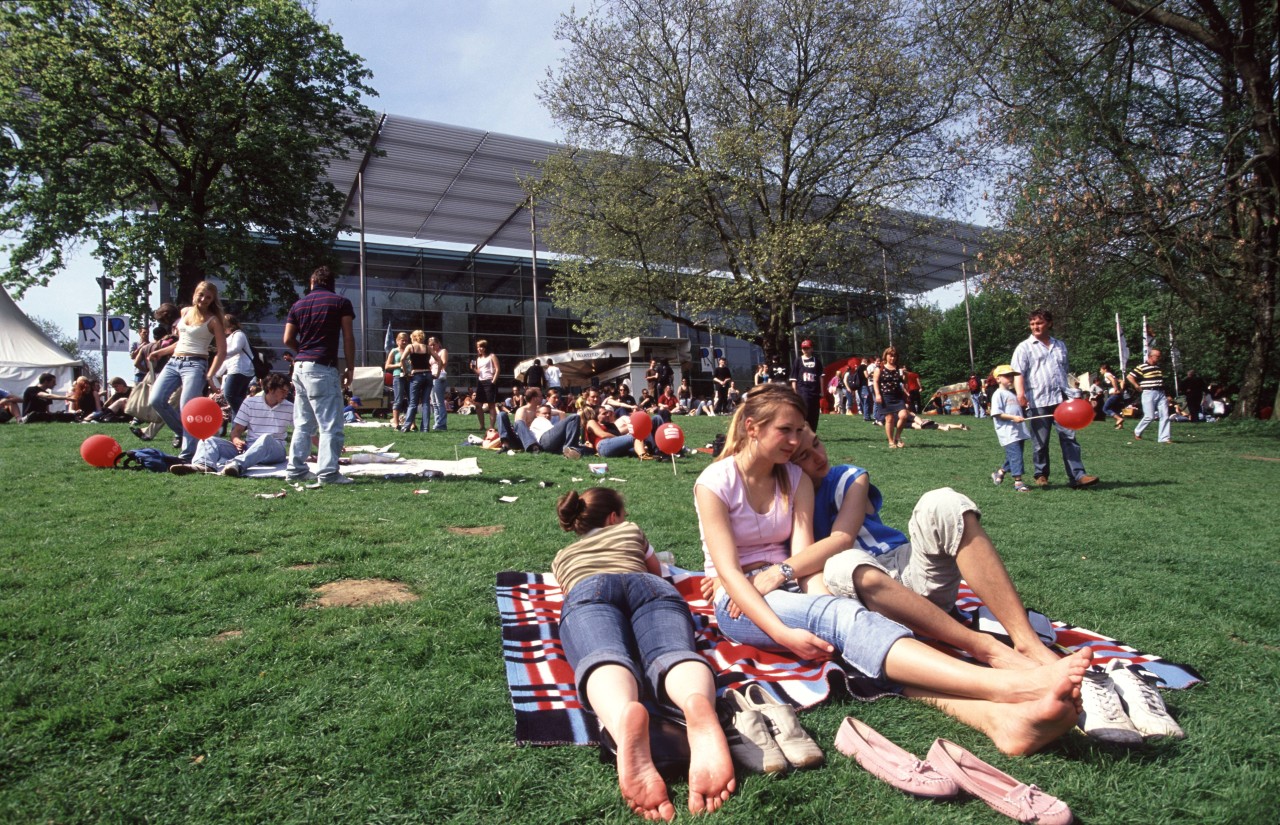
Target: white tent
[[26, 352]]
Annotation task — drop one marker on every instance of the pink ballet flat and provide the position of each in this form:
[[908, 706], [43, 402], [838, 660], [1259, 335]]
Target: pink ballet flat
[[1001, 792], [890, 763]]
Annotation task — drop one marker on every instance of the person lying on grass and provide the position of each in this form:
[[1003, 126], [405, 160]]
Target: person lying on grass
[[754, 506], [615, 602]]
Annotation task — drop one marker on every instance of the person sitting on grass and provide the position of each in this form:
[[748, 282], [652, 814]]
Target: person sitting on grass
[[10, 406], [756, 516], [556, 433], [915, 581], [38, 399], [628, 635], [259, 434]]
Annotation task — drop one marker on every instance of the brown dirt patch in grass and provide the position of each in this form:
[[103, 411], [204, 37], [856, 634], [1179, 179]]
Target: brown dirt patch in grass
[[228, 635], [1259, 458], [362, 593], [477, 531]]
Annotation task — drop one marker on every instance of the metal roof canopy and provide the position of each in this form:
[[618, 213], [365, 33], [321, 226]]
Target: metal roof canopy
[[434, 182]]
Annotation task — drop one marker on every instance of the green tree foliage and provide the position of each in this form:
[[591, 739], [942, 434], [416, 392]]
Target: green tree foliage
[[1141, 143], [731, 152], [999, 323], [183, 133]]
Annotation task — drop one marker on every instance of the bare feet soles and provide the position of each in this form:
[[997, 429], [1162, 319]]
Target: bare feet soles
[[642, 788], [711, 778]]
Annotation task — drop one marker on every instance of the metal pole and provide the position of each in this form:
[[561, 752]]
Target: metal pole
[[533, 255], [364, 311], [106, 284], [964, 275], [888, 303]]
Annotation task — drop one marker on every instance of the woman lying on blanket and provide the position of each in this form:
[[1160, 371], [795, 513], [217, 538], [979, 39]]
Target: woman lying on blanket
[[753, 505], [616, 602]]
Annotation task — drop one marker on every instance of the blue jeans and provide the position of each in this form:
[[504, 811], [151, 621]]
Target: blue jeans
[[1013, 459], [1040, 429], [567, 432], [419, 386], [235, 388], [219, 452], [190, 373], [979, 408], [861, 637], [438, 387], [616, 446], [636, 620], [399, 393], [865, 398], [1113, 405], [1155, 406], [317, 410]]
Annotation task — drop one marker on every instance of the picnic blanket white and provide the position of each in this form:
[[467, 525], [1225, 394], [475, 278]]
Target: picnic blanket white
[[401, 468]]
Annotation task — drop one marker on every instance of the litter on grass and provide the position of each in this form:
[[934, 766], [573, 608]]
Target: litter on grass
[[280, 494], [508, 499]]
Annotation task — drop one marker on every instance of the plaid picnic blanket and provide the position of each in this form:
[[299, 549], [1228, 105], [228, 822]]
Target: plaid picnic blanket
[[549, 712]]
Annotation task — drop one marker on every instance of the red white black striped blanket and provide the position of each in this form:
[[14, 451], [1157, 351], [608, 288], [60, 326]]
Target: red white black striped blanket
[[546, 703]]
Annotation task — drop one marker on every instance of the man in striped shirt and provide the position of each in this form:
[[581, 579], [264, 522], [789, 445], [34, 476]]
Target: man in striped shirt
[[1148, 378], [1041, 385], [258, 434]]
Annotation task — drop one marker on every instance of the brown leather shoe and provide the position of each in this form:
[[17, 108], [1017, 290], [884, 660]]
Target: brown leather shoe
[[1085, 481], [1042, 481]]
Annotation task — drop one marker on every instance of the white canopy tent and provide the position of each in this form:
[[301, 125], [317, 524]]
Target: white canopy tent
[[26, 352]]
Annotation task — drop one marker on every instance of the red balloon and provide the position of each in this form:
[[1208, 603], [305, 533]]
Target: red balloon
[[641, 424], [669, 438], [100, 450], [202, 417], [1075, 414]]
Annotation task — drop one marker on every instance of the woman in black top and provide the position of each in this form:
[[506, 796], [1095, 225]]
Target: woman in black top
[[891, 396]]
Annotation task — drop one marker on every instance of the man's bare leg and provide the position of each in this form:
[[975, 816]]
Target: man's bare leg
[[615, 699], [981, 567], [885, 595], [691, 687], [915, 664], [1016, 729]]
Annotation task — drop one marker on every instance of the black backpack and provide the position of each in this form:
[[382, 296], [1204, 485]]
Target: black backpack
[[261, 364]]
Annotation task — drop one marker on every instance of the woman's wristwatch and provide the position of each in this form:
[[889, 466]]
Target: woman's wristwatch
[[788, 573]]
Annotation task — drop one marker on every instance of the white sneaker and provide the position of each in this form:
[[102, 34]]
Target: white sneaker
[[1146, 708], [325, 482], [1103, 718]]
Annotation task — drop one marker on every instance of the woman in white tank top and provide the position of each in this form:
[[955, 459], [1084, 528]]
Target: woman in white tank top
[[200, 327]]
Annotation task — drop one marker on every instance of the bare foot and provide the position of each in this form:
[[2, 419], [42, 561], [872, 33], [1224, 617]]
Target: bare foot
[[999, 655], [1026, 727], [1030, 685], [642, 788], [711, 777], [1039, 653]]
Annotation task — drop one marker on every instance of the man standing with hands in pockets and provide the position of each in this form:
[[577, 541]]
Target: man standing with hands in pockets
[[311, 330]]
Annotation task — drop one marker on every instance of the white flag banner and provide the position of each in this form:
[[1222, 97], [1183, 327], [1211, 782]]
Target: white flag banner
[[117, 333], [1124, 348]]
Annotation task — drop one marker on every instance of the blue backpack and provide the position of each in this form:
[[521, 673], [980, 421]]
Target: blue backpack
[[146, 458]]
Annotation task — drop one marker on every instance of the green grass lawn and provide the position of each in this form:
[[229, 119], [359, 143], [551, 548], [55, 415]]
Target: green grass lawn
[[123, 700]]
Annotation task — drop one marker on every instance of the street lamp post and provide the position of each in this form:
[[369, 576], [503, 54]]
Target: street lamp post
[[106, 283]]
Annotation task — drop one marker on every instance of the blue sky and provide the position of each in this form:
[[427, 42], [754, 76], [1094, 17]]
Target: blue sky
[[474, 64]]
